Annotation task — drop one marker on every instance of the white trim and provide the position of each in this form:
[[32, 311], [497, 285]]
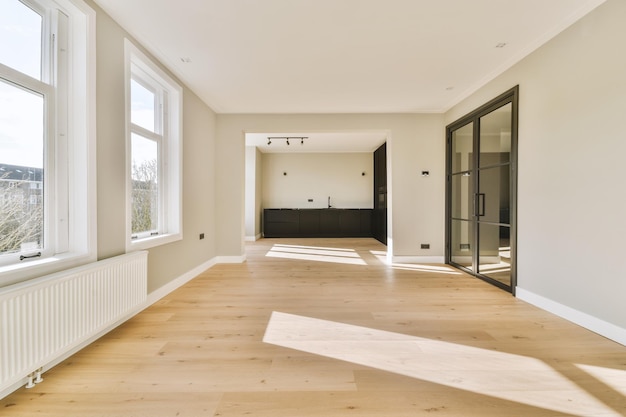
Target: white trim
[[161, 292], [417, 260], [599, 326], [231, 259], [253, 238]]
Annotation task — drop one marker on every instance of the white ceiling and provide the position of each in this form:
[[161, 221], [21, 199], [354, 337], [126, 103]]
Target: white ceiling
[[341, 56]]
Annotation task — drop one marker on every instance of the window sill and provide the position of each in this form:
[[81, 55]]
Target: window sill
[[14, 273], [152, 241]]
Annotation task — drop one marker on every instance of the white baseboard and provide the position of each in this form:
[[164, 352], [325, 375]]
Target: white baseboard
[[596, 325], [156, 295], [253, 238], [418, 260], [231, 259]]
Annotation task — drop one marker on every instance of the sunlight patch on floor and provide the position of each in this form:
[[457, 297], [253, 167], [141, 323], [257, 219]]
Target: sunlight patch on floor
[[613, 378], [502, 375], [311, 253]]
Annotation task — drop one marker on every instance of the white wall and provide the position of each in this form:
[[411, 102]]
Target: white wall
[[572, 142], [318, 176]]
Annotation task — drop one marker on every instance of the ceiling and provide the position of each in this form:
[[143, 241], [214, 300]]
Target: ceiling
[[341, 56]]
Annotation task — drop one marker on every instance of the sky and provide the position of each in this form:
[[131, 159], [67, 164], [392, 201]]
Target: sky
[[21, 111]]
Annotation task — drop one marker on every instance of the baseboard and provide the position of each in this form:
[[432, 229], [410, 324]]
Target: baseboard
[[231, 259], [418, 260], [596, 325], [156, 295], [253, 238]]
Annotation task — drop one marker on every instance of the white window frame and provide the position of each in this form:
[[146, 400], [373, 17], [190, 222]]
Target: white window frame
[[170, 228], [70, 196]]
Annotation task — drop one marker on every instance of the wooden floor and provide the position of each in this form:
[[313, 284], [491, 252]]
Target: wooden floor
[[322, 327]]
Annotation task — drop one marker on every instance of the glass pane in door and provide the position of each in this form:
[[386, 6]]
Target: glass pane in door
[[494, 196], [462, 233], [462, 195], [495, 137], [495, 252], [462, 148]]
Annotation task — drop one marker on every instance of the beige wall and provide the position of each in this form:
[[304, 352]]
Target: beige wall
[[317, 177], [415, 143], [571, 196], [170, 261]]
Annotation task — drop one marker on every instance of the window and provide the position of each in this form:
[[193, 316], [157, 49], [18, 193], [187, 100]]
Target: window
[[47, 96], [154, 143]]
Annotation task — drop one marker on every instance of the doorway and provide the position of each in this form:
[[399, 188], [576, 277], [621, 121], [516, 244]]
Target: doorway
[[481, 191]]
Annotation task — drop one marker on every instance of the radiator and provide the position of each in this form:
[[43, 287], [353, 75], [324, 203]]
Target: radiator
[[44, 320]]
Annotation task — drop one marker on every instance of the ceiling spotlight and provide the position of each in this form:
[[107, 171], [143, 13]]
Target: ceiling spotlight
[[269, 142], [287, 141], [301, 141]]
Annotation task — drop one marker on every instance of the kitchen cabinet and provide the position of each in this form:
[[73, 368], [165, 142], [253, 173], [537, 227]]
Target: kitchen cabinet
[[331, 222]]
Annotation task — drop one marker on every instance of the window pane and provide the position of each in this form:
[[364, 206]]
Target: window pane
[[20, 37], [142, 106], [144, 177], [21, 169]]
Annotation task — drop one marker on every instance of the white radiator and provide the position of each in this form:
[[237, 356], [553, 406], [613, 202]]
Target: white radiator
[[44, 320]]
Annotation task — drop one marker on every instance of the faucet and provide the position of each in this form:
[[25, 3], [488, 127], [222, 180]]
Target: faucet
[[329, 206]]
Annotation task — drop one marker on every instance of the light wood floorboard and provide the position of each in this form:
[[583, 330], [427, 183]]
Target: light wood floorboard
[[345, 335]]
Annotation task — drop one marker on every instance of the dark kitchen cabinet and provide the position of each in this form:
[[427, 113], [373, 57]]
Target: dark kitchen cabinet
[[317, 222]]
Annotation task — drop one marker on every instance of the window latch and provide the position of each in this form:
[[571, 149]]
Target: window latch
[[36, 255]]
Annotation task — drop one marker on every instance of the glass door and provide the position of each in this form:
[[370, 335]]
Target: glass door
[[481, 192]]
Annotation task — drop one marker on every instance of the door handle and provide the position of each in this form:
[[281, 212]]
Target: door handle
[[481, 204]]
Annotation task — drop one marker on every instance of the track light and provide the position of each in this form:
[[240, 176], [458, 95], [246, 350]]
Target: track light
[[286, 139]]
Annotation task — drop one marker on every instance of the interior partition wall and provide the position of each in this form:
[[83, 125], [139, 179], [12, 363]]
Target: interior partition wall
[[481, 183]]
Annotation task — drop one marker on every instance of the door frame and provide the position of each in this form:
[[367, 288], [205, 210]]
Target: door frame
[[510, 96]]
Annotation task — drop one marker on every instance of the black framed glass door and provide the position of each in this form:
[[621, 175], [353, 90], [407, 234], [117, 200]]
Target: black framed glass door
[[481, 191]]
